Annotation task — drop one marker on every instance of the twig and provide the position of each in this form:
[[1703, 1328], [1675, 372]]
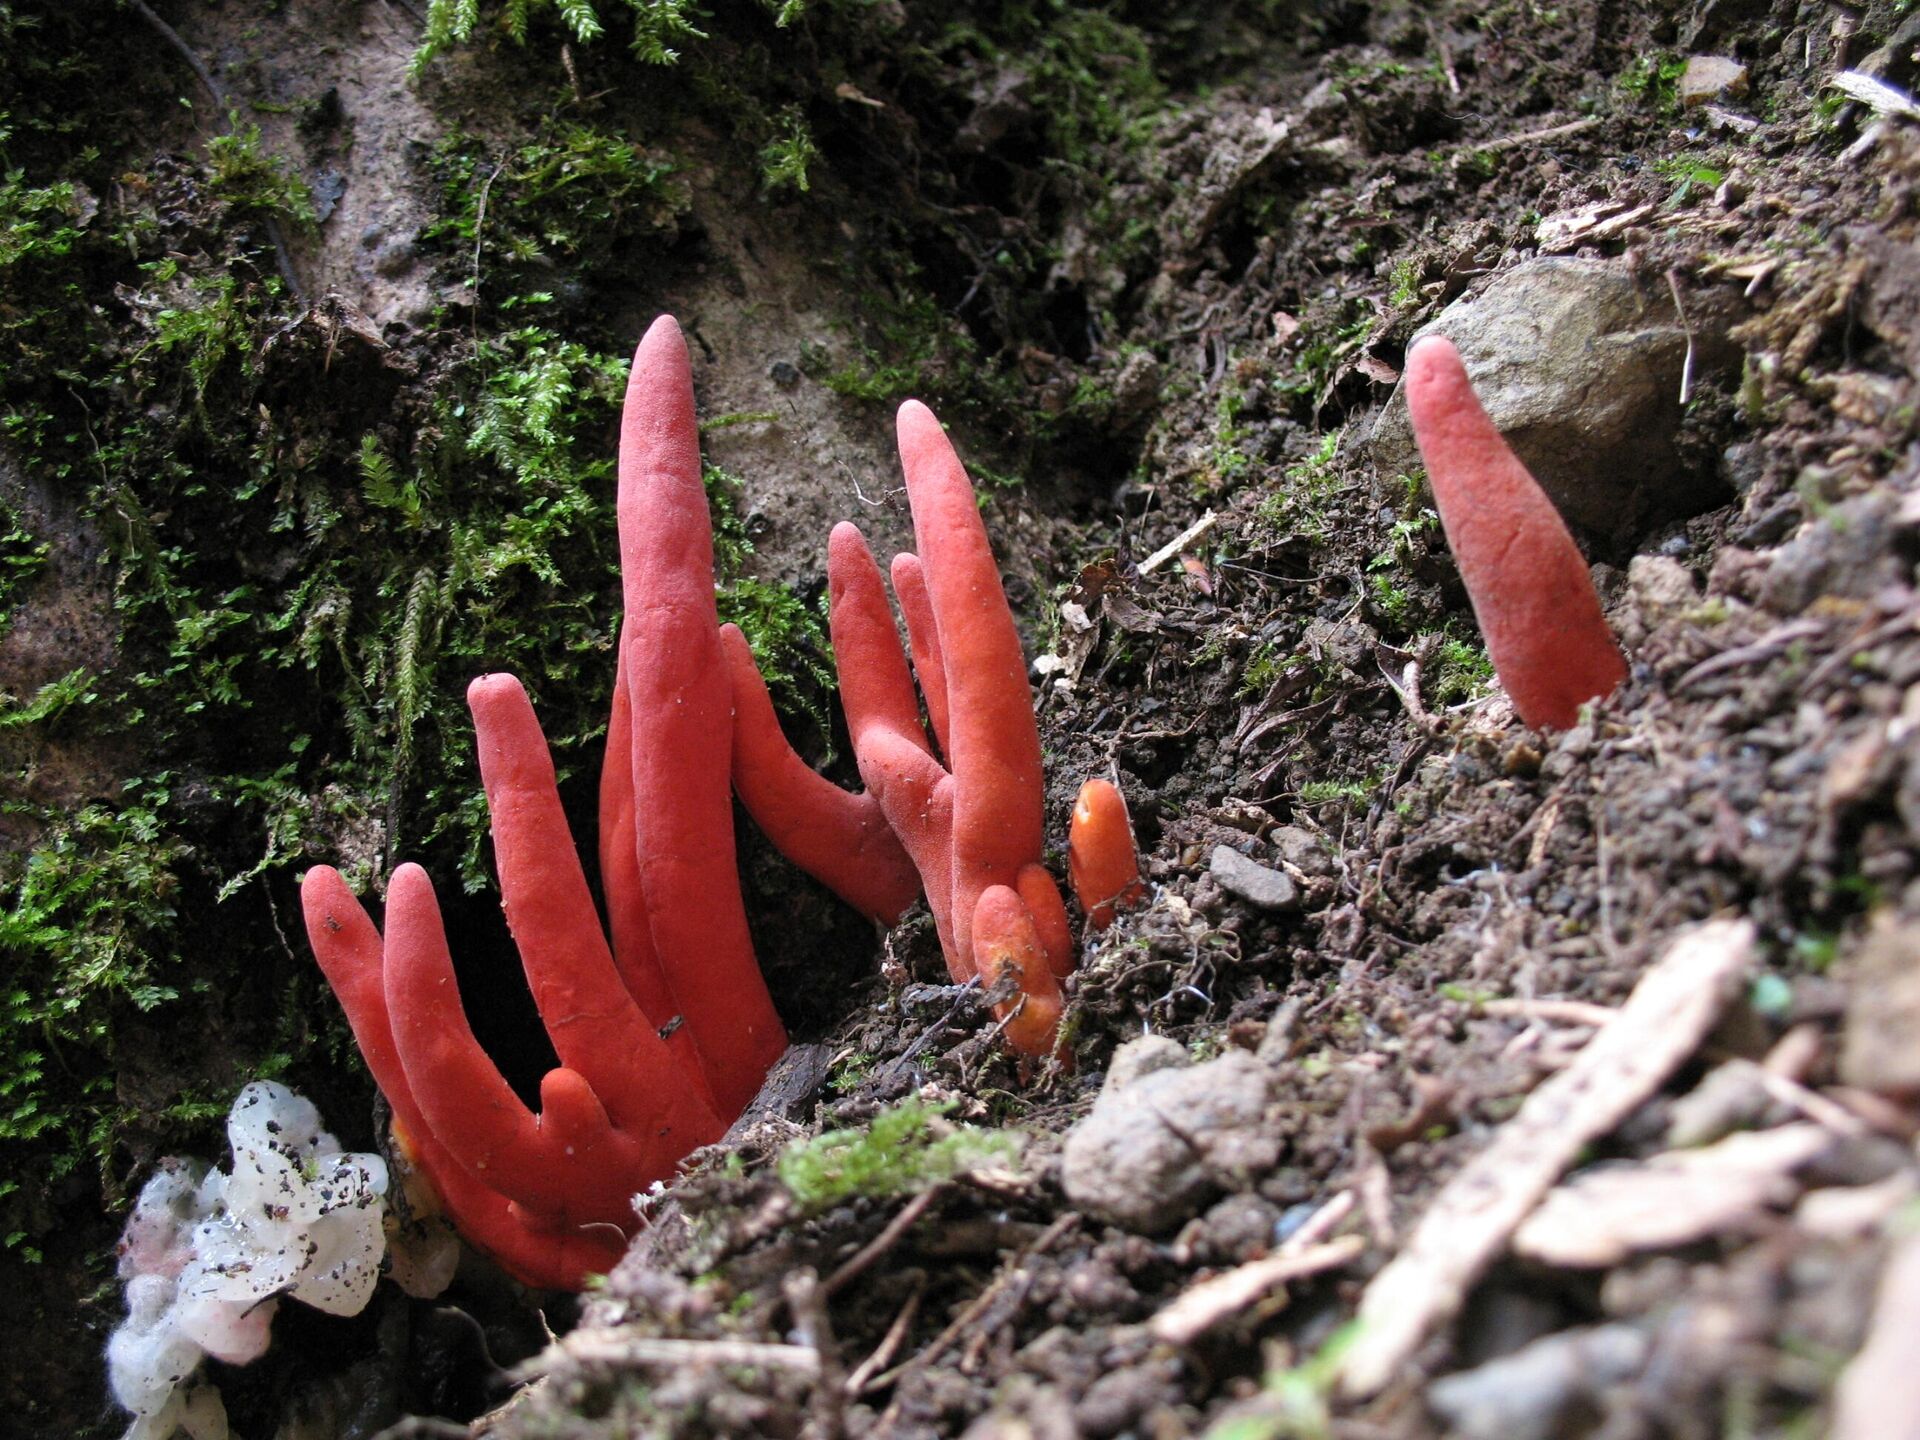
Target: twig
[[1529, 137], [1559, 1012], [1813, 1105], [1198, 530], [1407, 686], [1008, 1273], [881, 1243], [1903, 623], [808, 1305], [1678, 1000], [611, 1346], [1199, 1308], [1680, 309], [480, 230], [1765, 648], [889, 1343], [968, 992], [1317, 1226]]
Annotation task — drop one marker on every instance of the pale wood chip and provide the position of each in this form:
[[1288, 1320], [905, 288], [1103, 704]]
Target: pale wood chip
[[1193, 534], [1879, 1393], [1603, 1215], [1219, 1298], [1469, 1222]]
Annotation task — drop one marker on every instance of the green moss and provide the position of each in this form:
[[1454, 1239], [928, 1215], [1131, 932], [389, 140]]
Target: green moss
[[246, 175], [658, 26], [1338, 792], [1654, 80], [903, 1150], [784, 159], [22, 555], [1463, 673], [89, 908], [572, 194]]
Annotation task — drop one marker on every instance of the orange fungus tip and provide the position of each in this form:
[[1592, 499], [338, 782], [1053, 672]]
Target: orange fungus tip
[[1005, 938], [1101, 863], [1529, 585]]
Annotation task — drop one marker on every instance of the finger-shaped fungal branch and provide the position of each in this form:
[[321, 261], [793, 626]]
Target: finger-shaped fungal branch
[[550, 1195], [1102, 865], [680, 707], [351, 952], [972, 825], [840, 839], [1531, 591]]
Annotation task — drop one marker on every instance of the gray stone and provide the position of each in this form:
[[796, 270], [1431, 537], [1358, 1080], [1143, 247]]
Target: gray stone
[[1163, 1136], [1252, 881], [1711, 77], [1524, 1396], [1845, 551], [1305, 850], [1578, 363]]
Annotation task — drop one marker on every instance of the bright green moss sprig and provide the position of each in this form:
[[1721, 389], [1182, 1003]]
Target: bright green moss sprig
[[904, 1150], [658, 25]]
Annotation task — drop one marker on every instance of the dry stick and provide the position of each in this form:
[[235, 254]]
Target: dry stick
[[1680, 309], [1529, 137], [1173, 547], [281, 259], [1559, 1012], [1200, 1307], [808, 1305], [889, 1343], [1013, 1268], [1471, 1220], [925, 1037], [881, 1243], [1765, 648], [611, 1346], [1903, 623]]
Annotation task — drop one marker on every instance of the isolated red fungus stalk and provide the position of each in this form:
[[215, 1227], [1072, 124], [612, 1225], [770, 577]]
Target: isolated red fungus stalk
[[972, 825], [1531, 591], [1101, 863]]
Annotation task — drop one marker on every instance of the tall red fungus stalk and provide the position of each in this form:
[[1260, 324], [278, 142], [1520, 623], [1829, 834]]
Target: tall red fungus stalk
[[662, 1023], [973, 824], [1532, 594]]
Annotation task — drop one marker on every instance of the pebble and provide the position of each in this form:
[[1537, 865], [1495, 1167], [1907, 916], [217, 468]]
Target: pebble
[[1251, 881]]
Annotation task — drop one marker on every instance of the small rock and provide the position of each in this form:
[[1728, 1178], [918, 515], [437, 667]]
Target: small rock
[[1578, 363], [1846, 551], [784, 373], [1303, 849], [1660, 586], [1524, 1396], [1877, 1051], [1252, 881], [327, 187], [1711, 77], [1238, 1229], [1164, 1135], [395, 257]]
